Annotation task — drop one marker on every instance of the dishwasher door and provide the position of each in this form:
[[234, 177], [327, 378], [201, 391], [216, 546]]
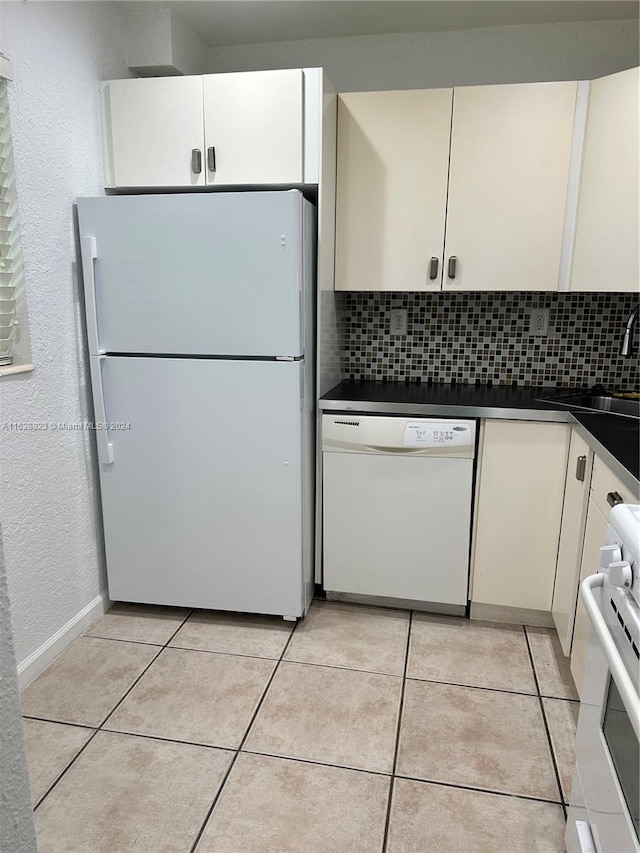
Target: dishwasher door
[[397, 497]]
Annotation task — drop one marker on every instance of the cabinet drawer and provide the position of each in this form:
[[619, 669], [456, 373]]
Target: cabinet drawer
[[603, 483]]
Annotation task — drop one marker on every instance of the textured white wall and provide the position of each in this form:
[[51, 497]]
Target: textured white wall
[[148, 39], [516, 54], [48, 491], [160, 43], [189, 53], [17, 833]]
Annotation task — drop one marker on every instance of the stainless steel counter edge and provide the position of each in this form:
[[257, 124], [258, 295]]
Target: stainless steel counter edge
[[430, 409]]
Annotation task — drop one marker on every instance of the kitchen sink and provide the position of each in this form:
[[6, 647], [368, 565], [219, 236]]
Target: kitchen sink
[[598, 403]]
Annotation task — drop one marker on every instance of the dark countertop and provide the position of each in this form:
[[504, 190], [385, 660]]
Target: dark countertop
[[614, 437], [406, 394], [619, 436]]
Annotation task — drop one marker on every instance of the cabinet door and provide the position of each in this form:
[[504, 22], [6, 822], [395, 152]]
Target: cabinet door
[[574, 513], [151, 128], [254, 126], [393, 150], [519, 507], [594, 538], [605, 486], [606, 249], [510, 153]]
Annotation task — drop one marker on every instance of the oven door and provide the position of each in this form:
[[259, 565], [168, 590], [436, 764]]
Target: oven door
[[605, 801]]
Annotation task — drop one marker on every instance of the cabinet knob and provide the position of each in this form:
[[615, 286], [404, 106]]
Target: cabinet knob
[[581, 467], [433, 269], [196, 161], [211, 159], [614, 498], [451, 266]]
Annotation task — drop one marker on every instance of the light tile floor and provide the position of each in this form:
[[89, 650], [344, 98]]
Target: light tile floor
[[361, 729]]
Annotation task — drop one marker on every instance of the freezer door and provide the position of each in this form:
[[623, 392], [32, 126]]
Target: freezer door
[[196, 274], [203, 501]]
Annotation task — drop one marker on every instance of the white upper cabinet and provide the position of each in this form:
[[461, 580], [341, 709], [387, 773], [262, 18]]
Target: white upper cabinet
[[151, 129], [253, 124], [509, 167], [505, 151], [393, 150], [606, 246], [246, 128]]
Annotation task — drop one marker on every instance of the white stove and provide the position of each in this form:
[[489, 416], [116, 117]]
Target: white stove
[[604, 814]]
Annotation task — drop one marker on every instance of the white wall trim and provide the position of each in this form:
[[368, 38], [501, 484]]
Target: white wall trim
[[37, 661], [15, 368]]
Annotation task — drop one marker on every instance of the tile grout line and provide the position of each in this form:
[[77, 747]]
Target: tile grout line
[[65, 769], [317, 763], [120, 640], [146, 669], [471, 686], [59, 722], [546, 724], [256, 711], [490, 791], [99, 728], [385, 836]]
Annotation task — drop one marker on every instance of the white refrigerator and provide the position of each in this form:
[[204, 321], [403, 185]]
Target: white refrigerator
[[200, 326]]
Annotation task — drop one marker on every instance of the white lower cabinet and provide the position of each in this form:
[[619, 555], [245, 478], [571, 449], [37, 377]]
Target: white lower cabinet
[[518, 511], [594, 538], [606, 490], [574, 513]]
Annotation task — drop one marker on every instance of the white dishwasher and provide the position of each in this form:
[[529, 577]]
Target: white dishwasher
[[397, 496]]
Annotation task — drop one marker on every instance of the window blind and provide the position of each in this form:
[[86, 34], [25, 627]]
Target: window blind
[[11, 267]]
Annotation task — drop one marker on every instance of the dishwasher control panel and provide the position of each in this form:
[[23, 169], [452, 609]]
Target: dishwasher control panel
[[437, 434], [420, 436]]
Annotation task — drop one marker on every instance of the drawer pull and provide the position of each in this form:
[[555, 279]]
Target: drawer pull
[[581, 467], [614, 498]]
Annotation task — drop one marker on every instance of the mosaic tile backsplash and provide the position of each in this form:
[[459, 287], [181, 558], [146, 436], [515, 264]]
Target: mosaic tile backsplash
[[469, 337]]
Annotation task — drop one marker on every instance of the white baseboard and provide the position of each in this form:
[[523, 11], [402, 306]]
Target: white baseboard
[[37, 661]]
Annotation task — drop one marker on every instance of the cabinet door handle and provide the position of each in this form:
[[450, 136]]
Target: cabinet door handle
[[433, 269], [211, 159], [581, 467], [614, 498], [196, 161], [451, 267]]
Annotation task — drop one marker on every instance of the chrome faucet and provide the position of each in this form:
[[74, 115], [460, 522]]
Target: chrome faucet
[[627, 341]]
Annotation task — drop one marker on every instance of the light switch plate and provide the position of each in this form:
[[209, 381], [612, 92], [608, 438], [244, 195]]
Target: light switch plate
[[398, 321], [539, 322]]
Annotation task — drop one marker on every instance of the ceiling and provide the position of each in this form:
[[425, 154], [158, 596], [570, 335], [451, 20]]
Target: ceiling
[[232, 22]]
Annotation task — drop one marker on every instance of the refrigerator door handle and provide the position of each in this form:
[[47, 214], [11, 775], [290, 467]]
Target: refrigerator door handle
[[105, 447], [89, 253]]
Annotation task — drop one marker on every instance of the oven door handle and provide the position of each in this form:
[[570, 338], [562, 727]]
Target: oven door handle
[[616, 664]]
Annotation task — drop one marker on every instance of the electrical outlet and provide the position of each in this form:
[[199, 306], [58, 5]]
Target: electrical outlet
[[539, 322], [398, 321]]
